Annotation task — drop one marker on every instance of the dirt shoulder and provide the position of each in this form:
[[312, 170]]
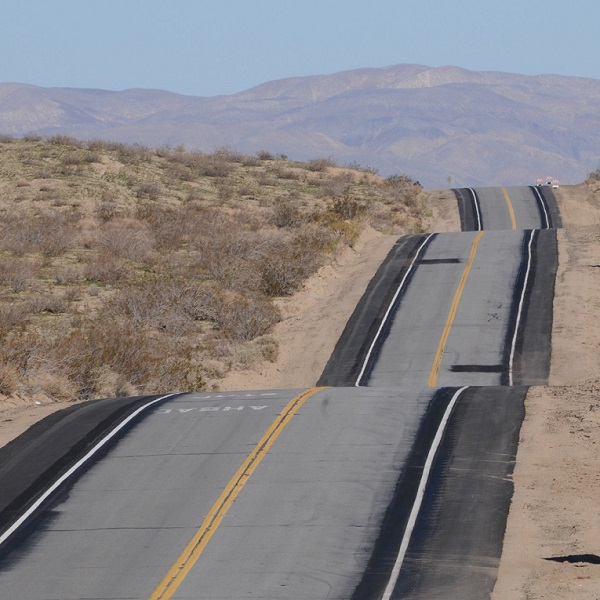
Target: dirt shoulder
[[554, 511]]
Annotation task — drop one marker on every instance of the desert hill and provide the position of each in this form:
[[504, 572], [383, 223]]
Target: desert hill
[[439, 125]]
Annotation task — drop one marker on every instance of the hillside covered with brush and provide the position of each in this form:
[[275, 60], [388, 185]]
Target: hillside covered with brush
[[127, 270]]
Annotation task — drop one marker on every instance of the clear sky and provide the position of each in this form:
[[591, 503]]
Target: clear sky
[[212, 47]]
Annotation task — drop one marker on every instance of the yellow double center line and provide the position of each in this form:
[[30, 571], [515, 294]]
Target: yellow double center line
[[173, 579], [511, 210], [435, 369]]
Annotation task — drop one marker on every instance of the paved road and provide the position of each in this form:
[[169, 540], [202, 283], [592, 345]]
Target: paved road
[[308, 521], [502, 208], [460, 309], [394, 487]]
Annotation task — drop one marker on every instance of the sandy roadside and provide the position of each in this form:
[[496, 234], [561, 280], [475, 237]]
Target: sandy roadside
[[557, 478], [554, 511]]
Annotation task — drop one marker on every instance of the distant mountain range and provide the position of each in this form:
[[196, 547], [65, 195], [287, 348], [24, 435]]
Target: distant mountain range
[[443, 126]]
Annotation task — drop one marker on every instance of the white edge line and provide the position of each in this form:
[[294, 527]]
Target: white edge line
[[74, 468], [387, 312], [521, 301], [412, 519], [543, 206], [476, 203]]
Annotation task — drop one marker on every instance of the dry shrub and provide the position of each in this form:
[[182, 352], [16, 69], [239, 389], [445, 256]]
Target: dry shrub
[[80, 158], [45, 303], [593, 176], [343, 232], [218, 164], [9, 379], [286, 214], [268, 347], [12, 315], [320, 164], [65, 140], [126, 153], [106, 207], [149, 189], [182, 374], [43, 173], [55, 385], [251, 161], [161, 305], [215, 167], [282, 172], [241, 318], [230, 272], [347, 208], [49, 233], [18, 274], [178, 306], [229, 154], [93, 356], [177, 172], [265, 155], [172, 227], [127, 238], [226, 191], [104, 145], [104, 268], [284, 262], [402, 189]]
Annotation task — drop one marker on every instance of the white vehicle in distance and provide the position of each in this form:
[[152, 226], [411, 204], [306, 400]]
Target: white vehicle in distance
[[549, 181]]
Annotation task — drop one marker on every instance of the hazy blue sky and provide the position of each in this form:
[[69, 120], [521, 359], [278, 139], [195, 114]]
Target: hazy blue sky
[[211, 47]]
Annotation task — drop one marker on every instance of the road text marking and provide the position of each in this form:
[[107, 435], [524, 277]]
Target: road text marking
[[187, 559], [435, 369], [167, 411]]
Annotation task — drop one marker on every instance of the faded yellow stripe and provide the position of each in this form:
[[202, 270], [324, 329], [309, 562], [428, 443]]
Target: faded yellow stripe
[[435, 369], [176, 574], [511, 210]]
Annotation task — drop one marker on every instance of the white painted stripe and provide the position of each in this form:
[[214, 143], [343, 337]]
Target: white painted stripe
[[414, 513], [543, 205], [389, 309], [75, 468], [477, 211], [520, 310]]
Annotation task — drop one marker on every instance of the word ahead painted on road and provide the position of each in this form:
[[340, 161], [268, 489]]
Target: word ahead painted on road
[[194, 397], [166, 411]]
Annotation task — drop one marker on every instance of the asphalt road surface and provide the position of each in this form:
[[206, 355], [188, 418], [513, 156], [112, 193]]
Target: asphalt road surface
[[513, 208], [453, 309], [394, 486], [322, 516]]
